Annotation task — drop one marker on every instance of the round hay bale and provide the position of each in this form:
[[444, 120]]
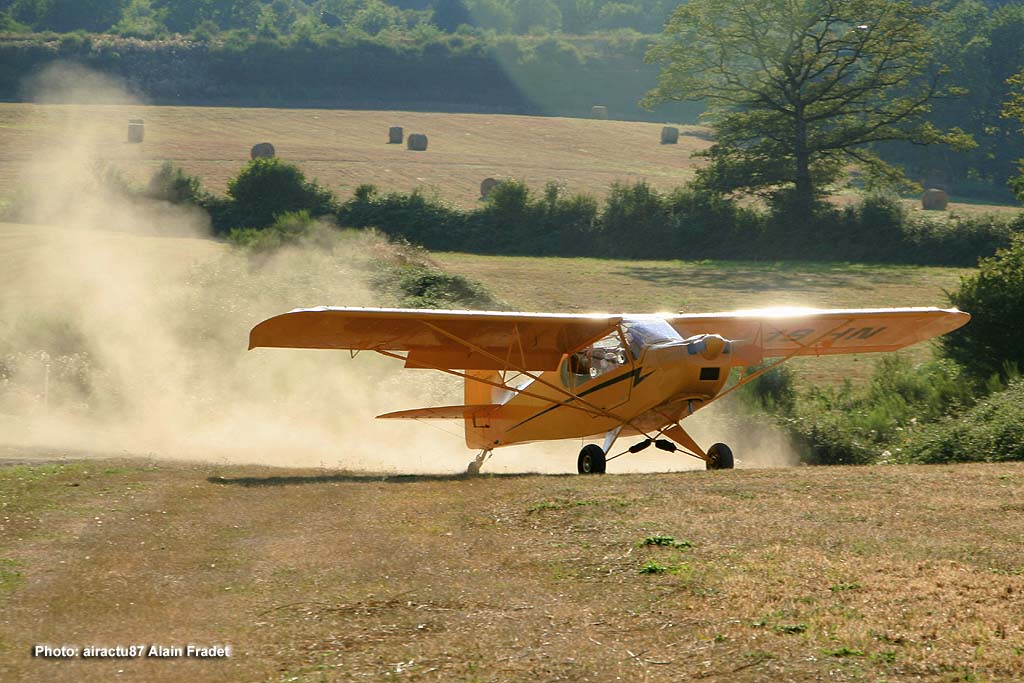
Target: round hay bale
[[934, 199], [417, 142], [669, 135], [486, 186], [136, 130], [262, 150], [395, 135], [599, 111]]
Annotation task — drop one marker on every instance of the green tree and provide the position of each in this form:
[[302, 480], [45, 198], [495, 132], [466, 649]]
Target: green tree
[[184, 15], [69, 15], [536, 14], [798, 90], [1014, 109], [990, 343], [450, 14], [377, 16], [492, 14]]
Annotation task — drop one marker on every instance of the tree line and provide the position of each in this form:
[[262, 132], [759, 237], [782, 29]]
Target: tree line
[[156, 18], [634, 221]]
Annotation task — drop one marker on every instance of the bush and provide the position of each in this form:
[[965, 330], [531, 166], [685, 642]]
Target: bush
[[635, 222], [414, 216], [429, 288], [774, 391], [990, 432], [267, 188], [513, 220], [995, 299], [703, 221], [288, 229], [172, 184], [845, 425]]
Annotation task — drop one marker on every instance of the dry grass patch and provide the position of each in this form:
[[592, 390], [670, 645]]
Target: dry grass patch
[[897, 573]]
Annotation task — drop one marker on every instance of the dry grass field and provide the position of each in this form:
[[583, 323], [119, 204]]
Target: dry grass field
[[831, 574], [344, 149]]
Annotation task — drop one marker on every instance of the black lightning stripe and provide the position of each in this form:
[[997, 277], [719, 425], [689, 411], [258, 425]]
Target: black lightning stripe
[[634, 375]]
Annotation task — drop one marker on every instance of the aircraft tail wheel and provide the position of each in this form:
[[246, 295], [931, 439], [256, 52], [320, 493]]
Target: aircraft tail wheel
[[719, 457], [591, 460]]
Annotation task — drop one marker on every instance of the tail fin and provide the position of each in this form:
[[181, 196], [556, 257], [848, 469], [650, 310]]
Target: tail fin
[[480, 433]]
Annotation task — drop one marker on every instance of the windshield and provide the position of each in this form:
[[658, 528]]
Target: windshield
[[644, 333]]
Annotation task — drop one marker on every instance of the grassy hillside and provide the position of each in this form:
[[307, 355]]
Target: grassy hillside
[[845, 574]]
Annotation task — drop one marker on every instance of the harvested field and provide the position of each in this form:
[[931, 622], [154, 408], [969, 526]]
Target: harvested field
[[344, 149], [839, 574]]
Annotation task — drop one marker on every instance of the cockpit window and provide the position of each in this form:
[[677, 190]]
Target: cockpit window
[[605, 355], [643, 333]]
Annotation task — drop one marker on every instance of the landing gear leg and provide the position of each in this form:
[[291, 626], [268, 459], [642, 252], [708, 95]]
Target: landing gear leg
[[478, 461], [718, 457]]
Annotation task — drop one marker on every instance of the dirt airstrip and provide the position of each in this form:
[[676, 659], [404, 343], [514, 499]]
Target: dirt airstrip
[[841, 574]]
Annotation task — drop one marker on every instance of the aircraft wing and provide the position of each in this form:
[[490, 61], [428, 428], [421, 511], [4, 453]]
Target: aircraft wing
[[781, 332], [467, 340]]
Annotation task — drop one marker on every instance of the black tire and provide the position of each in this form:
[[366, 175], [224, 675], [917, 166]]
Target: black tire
[[591, 460], [719, 457]]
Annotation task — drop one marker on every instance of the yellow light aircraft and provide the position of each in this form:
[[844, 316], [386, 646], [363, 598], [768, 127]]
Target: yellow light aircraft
[[540, 376]]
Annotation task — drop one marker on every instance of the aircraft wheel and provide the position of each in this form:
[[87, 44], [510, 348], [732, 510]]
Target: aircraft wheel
[[591, 460], [719, 457]]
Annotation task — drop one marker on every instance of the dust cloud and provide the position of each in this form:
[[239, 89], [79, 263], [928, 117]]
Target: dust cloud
[[124, 328]]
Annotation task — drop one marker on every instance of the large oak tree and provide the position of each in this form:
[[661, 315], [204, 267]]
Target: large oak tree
[[798, 89]]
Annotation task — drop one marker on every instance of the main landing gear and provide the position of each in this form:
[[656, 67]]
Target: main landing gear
[[593, 459], [719, 457]]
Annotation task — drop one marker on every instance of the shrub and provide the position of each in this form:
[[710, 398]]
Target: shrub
[[994, 297], [773, 391], [266, 188], [514, 220], [172, 184], [846, 425], [991, 431], [428, 288], [703, 221], [414, 216], [289, 228], [635, 222]]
